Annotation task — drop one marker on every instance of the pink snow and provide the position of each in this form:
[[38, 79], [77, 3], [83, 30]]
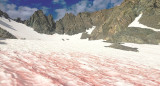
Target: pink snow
[[72, 69]]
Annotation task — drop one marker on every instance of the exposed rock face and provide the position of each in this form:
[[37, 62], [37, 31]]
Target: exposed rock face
[[71, 24], [5, 34], [41, 23], [85, 35], [115, 28], [136, 35], [151, 15], [112, 24]]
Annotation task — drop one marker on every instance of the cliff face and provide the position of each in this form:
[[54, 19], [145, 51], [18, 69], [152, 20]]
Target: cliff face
[[71, 24], [115, 28], [41, 23], [112, 24]]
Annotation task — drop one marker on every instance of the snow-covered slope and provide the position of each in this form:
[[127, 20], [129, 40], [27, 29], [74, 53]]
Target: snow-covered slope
[[136, 23], [62, 60], [18, 30], [76, 62], [22, 31]]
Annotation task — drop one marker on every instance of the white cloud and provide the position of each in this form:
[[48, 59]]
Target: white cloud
[[60, 13], [14, 12], [75, 9], [59, 2], [22, 12], [85, 5]]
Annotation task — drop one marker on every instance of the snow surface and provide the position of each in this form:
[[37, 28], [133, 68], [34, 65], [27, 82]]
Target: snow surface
[[62, 60], [136, 23], [89, 31]]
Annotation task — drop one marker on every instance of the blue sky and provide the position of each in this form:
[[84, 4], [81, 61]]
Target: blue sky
[[25, 8]]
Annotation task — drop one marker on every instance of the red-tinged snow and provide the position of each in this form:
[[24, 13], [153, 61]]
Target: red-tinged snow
[[80, 69], [62, 60]]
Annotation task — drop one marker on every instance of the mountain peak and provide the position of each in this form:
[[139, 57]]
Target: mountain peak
[[41, 23]]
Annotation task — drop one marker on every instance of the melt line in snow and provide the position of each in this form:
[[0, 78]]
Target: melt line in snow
[[136, 23]]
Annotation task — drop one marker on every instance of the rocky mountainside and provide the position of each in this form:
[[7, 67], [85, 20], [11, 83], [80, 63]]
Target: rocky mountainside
[[71, 24], [6, 34], [115, 28], [111, 24], [41, 23]]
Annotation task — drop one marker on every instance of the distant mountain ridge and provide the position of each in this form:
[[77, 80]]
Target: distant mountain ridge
[[111, 24]]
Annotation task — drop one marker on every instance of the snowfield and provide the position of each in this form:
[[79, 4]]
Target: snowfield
[[62, 60]]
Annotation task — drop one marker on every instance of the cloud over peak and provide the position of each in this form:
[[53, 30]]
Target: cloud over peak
[[86, 5], [14, 12]]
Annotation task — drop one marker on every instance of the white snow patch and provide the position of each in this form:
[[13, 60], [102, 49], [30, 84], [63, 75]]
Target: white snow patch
[[89, 31], [136, 23]]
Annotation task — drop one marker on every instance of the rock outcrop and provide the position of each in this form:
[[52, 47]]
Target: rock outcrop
[[3, 14], [71, 24], [19, 20], [136, 35], [112, 24], [115, 28], [151, 14], [6, 34], [41, 23]]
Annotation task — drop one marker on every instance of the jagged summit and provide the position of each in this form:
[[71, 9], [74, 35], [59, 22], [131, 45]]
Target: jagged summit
[[41, 23]]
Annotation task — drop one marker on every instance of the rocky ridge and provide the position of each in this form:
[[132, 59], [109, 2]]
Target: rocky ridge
[[116, 29], [41, 23], [71, 24], [111, 24]]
